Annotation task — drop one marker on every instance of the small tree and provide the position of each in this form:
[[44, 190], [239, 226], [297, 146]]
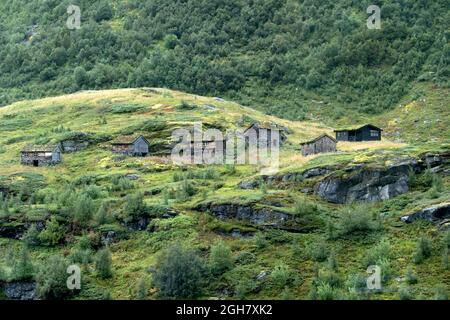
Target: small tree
[[141, 289], [221, 258], [411, 278], [52, 279], [53, 233], [178, 273], [423, 250], [83, 210], [135, 206], [31, 237], [23, 267], [103, 263]]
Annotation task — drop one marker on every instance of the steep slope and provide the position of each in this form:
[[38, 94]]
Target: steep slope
[[280, 231], [293, 59]]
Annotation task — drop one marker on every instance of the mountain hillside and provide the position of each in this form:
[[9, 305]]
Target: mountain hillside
[[309, 231], [294, 59]]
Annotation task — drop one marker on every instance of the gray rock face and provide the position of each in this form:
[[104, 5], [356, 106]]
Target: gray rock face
[[437, 213], [264, 217], [20, 290], [365, 184]]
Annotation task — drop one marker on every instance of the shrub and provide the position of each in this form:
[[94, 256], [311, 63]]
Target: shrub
[[327, 292], [51, 279], [423, 250], [357, 221], [102, 217], [53, 233], [83, 210], [405, 293], [103, 263], [178, 273], [141, 289], [410, 277], [260, 240], [135, 206], [281, 275], [441, 293], [244, 287], [31, 237], [319, 251], [185, 106], [221, 259], [445, 262], [82, 251], [23, 268], [380, 252]]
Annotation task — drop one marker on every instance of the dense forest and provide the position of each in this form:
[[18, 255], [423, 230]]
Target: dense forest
[[290, 58]]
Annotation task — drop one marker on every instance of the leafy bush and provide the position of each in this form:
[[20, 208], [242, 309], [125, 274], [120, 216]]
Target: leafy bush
[[23, 267], [221, 259], [281, 275], [327, 292], [135, 206], [103, 263], [405, 293], [318, 251], [53, 233], [357, 221], [410, 277], [141, 289], [423, 250], [51, 279], [31, 236], [378, 253], [244, 287], [126, 108], [178, 273]]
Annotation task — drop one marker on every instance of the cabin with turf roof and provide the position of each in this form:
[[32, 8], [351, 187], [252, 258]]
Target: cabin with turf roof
[[265, 134], [367, 132], [40, 155], [135, 146], [322, 144]]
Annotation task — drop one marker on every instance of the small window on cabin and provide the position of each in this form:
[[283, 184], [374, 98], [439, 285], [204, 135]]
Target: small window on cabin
[[373, 133]]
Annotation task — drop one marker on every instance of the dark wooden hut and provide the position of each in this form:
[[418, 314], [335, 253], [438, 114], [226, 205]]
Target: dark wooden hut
[[367, 132], [41, 155], [269, 138], [322, 144], [136, 146]]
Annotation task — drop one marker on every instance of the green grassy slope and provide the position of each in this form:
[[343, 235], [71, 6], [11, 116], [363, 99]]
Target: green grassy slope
[[290, 58], [44, 192]]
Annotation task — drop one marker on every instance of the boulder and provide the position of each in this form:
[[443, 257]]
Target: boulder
[[264, 217], [436, 214], [365, 184], [20, 290]]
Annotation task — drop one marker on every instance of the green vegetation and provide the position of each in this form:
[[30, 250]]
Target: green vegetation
[[292, 58]]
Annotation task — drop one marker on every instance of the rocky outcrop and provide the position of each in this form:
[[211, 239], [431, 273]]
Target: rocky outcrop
[[264, 217], [436, 214], [365, 184], [288, 177], [13, 229], [20, 290]]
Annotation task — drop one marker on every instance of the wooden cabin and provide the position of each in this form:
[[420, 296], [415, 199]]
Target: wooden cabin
[[321, 144], [136, 146], [269, 133], [41, 155], [367, 132]]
